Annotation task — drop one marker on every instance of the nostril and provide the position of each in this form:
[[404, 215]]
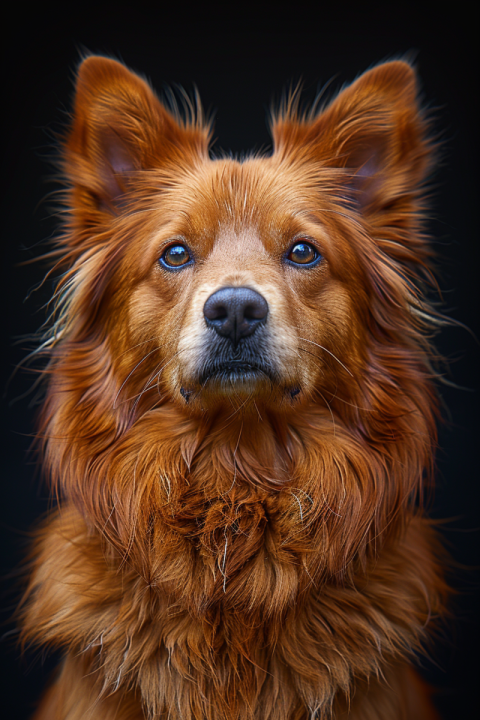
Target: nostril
[[256, 311], [215, 311]]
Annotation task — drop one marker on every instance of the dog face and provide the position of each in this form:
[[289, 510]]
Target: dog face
[[220, 282], [240, 291]]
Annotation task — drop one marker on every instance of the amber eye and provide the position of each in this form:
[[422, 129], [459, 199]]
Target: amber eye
[[176, 256], [302, 253]]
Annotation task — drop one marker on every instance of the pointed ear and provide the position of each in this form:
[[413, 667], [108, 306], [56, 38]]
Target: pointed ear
[[373, 130], [120, 128]]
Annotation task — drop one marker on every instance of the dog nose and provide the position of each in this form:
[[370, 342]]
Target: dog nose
[[235, 312]]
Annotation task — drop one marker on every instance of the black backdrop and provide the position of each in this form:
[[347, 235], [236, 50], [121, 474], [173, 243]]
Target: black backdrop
[[241, 62]]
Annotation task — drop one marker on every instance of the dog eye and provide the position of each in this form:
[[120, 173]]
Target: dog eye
[[303, 253], [175, 256]]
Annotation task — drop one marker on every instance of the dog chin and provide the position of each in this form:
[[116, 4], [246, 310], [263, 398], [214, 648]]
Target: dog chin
[[242, 381]]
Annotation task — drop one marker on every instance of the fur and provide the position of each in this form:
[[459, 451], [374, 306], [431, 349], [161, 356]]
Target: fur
[[239, 548]]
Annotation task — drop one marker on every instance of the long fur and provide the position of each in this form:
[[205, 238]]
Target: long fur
[[226, 553]]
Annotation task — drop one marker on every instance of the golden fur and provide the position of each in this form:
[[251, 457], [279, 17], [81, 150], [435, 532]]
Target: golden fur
[[239, 549]]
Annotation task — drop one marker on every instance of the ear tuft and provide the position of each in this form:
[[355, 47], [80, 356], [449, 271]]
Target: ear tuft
[[373, 131], [119, 129]]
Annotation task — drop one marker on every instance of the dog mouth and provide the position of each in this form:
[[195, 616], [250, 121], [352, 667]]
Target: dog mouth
[[236, 372], [238, 377], [250, 370]]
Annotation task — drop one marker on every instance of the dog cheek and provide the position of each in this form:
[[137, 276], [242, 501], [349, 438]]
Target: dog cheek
[[328, 335], [280, 331], [154, 317], [142, 315], [191, 330]]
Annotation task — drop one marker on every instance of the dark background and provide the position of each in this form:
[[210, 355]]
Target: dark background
[[240, 63]]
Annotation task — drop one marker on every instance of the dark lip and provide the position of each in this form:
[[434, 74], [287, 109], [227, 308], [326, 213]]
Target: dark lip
[[235, 369]]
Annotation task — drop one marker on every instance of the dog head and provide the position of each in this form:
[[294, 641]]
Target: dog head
[[273, 281]]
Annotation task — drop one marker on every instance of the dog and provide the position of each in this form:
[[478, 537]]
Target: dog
[[240, 413]]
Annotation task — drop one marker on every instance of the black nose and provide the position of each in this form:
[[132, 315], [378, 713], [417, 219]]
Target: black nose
[[235, 312]]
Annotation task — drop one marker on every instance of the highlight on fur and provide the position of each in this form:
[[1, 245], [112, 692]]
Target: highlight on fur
[[239, 532]]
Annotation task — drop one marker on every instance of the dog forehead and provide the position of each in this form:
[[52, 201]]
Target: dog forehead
[[241, 204]]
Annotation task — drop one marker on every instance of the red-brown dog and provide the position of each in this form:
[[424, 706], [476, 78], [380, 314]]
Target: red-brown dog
[[239, 415]]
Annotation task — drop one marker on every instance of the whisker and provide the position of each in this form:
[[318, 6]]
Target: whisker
[[309, 352], [330, 353], [224, 561], [135, 521], [330, 409], [137, 345], [134, 397], [155, 377], [299, 505], [159, 347], [235, 459], [131, 373], [239, 408], [335, 396], [258, 412]]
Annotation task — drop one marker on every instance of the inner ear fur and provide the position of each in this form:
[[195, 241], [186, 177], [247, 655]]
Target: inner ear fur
[[120, 127], [373, 130]]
